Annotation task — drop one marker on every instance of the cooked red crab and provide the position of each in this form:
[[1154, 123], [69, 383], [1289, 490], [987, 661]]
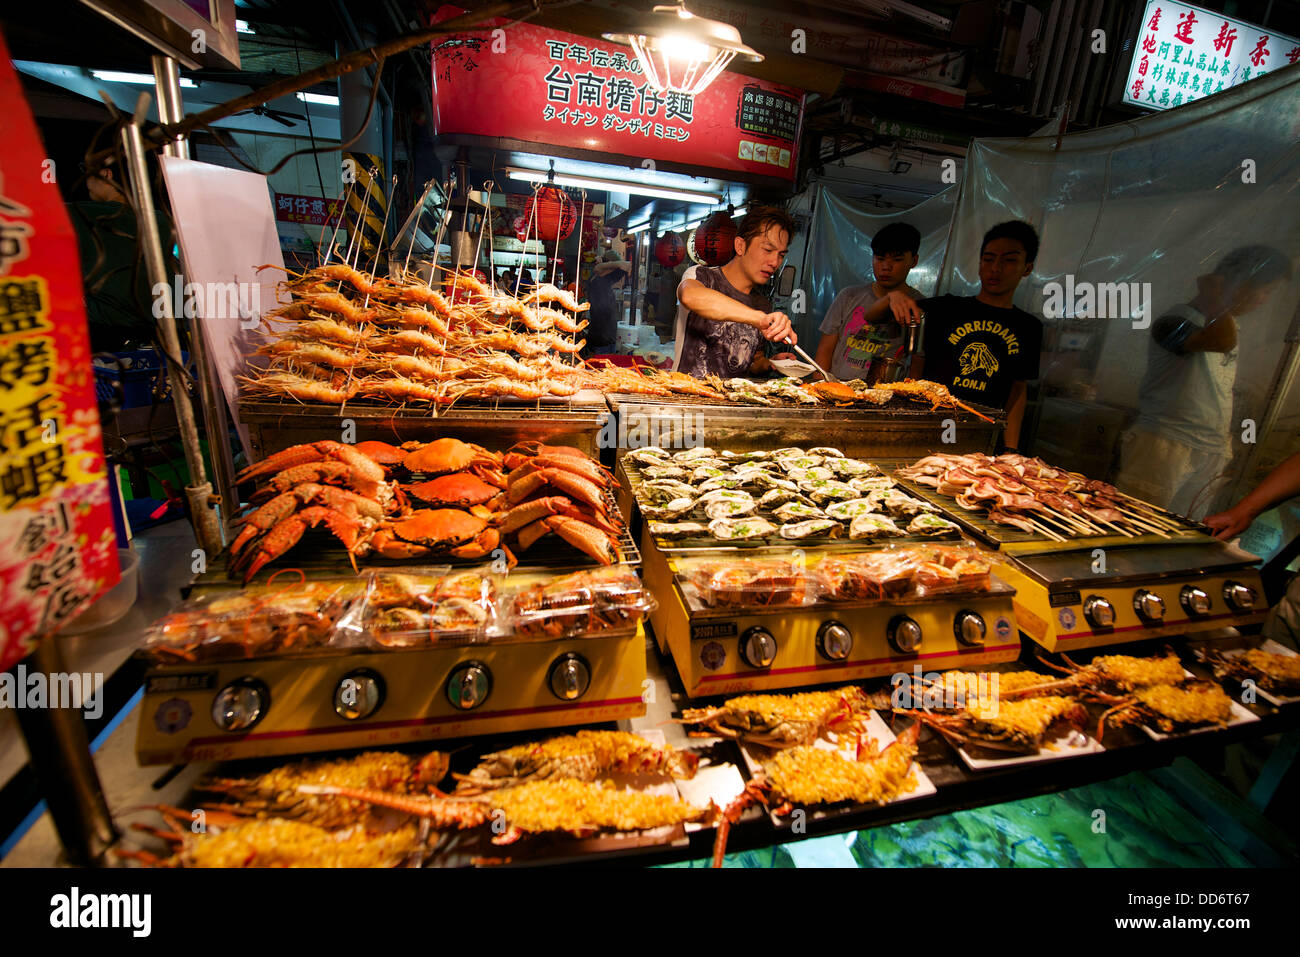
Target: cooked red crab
[[446, 531], [458, 490]]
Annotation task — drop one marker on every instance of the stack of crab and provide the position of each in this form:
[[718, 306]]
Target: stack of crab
[[319, 483], [455, 500], [558, 489]]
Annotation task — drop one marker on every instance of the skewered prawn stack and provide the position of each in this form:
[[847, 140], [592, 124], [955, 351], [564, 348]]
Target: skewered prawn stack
[[1031, 495], [348, 335]]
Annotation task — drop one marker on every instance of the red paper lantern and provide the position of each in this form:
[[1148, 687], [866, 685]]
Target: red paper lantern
[[553, 214], [715, 240], [670, 250]]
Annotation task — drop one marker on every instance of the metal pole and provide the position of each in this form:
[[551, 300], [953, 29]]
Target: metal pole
[[61, 760], [167, 82], [167, 86], [207, 528]]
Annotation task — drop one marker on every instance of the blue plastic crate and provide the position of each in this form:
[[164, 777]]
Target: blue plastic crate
[[138, 375]]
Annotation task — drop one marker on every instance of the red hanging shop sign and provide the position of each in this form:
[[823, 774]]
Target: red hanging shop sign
[[57, 548], [560, 89]]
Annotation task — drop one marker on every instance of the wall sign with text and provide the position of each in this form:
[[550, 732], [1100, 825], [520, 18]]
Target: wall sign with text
[[559, 89], [1185, 53]]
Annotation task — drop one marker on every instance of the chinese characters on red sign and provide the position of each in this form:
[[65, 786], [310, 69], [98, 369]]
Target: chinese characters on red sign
[[558, 89], [1188, 55], [57, 547], [310, 210]]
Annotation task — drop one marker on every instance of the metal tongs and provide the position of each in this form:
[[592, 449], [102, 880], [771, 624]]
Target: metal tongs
[[811, 361]]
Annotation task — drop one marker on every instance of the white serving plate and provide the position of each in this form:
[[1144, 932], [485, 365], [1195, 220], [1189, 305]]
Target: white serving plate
[[792, 368], [1069, 744]]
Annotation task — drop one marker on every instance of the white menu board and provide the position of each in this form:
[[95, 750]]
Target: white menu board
[[1185, 53]]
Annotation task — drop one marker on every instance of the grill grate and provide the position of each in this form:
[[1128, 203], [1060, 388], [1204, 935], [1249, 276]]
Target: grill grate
[[899, 408]]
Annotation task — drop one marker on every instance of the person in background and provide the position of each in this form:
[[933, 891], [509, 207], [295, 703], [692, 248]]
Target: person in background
[[1281, 484], [981, 347], [1180, 445], [727, 321], [680, 273], [849, 341], [602, 333]]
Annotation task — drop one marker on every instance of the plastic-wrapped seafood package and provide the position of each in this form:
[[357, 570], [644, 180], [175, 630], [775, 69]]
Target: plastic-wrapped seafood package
[[584, 603], [421, 607], [277, 618], [904, 571], [747, 582]]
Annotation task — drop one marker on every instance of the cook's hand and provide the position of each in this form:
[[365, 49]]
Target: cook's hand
[[906, 311], [1228, 525], [776, 328]]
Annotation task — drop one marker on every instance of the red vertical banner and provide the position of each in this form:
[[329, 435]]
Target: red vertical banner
[[57, 548]]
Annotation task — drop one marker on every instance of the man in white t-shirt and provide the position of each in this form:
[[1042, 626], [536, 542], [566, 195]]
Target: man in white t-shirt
[[1177, 451]]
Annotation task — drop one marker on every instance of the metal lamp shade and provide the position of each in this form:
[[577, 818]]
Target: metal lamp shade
[[683, 53]]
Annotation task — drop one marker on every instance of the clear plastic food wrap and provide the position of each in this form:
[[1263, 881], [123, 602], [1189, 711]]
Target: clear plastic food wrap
[[866, 576], [581, 603], [917, 571], [423, 607], [253, 622], [748, 582], [952, 570]]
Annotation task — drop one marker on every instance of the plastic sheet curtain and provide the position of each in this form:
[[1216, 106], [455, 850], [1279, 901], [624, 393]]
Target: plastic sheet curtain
[[839, 249], [1159, 201]]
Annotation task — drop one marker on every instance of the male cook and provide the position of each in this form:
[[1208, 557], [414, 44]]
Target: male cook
[[849, 340], [981, 347], [727, 320]]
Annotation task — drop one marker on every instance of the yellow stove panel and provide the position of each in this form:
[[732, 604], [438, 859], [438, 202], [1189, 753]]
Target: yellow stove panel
[[177, 723]]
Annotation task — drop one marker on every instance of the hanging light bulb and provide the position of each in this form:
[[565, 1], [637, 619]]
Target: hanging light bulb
[[683, 53]]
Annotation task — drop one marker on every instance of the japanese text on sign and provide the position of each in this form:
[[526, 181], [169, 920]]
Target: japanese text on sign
[[768, 113], [1186, 53]]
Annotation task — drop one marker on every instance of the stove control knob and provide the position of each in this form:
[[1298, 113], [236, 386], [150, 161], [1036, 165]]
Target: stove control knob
[[969, 627], [1238, 596], [904, 634], [240, 705], [1099, 611], [1194, 601], [358, 695], [834, 640], [469, 685], [758, 647], [570, 677], [1149, 605]]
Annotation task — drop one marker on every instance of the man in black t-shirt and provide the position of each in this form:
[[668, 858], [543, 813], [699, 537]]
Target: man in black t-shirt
[[981, 347]]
